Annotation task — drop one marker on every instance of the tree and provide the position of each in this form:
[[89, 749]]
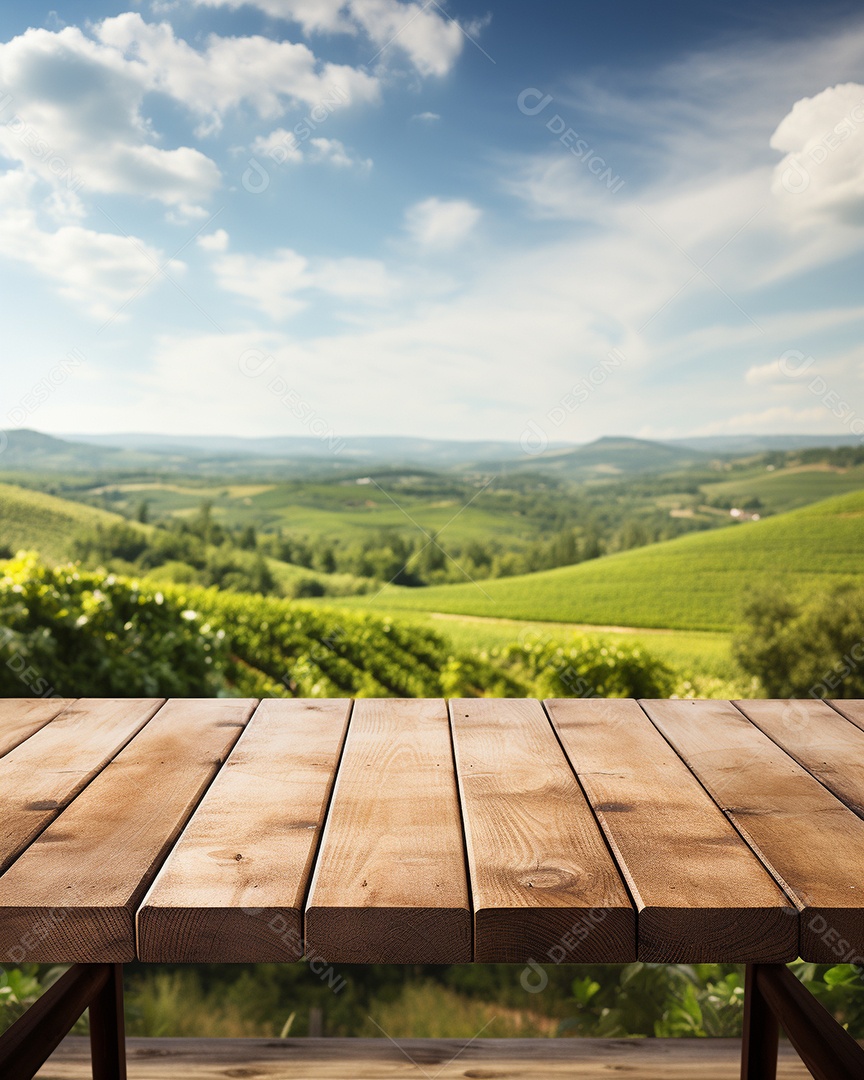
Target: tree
[[806, 647], [248, 539]]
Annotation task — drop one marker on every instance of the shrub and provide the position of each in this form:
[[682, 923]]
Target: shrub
[[811, 646], [75, 634], [586, 667]]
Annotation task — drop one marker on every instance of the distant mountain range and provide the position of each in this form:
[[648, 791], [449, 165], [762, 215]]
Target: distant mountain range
[[408, 448], [298, 456]]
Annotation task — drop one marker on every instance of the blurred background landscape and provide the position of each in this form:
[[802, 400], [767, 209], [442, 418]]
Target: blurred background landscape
[[458, 352]]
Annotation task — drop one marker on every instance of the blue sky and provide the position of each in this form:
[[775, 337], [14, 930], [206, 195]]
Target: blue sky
[[540, 223]]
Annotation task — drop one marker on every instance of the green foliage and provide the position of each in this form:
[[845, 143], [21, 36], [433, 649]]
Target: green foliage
[[66, 631], [642, 1000], [21, 985], [840, 989], [285, 649], [811, 646], [198, 551], [75, 634], [663, 1000], [586, 667]]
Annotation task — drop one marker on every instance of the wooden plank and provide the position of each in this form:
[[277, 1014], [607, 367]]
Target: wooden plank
[[232, 889], [852, 709], [811, 842], [820, 739], [72, 895], [543, 881], [389, 884], [406, 1059], [43, 775], [701, 894], [21, 717]]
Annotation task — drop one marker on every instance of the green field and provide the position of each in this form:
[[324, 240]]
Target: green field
[[347, 509], [696, 582], [32, 520], [780, 490]]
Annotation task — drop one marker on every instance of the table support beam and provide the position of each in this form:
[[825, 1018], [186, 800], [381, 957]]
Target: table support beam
[[33, 1038], [760, 1034], [774, 996], [108, 1029]]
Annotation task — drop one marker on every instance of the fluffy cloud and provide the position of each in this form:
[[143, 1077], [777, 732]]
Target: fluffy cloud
[[430, 39], [822, 175], [75, 115], [215, 241], [98, 272], [441, 224], [74, 119], [283, 146], [280, 285], [333, 152], [228, 72]]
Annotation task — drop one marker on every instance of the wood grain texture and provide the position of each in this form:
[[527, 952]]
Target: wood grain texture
[[811, 842], [702, 895], [408, 1059], [232, 889], [72, 895], [44, 774], [389, 883], [543, 881], [21, 717], [852, 710], [825, 743]]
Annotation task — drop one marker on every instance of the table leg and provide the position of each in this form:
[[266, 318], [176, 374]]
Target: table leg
[[760, 1035], [33, 1038], [827, 1049], [107, 1029]]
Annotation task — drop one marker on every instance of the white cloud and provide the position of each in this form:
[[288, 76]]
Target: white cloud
[[98, 272], [333, 152], [215, 241], [280, 145], [258, 71], [822, 175], [75, 121], [312, 15], [280, 285], [427, 117], [441, 224], [76, 118], [430, 39], [537, 309], [283, 146]]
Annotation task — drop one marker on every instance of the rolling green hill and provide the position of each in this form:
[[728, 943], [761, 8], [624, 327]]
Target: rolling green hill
[[787, 489], [696, 582], [33, 520]]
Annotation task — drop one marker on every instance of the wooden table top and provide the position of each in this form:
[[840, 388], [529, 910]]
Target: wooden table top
[[412, 831]]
